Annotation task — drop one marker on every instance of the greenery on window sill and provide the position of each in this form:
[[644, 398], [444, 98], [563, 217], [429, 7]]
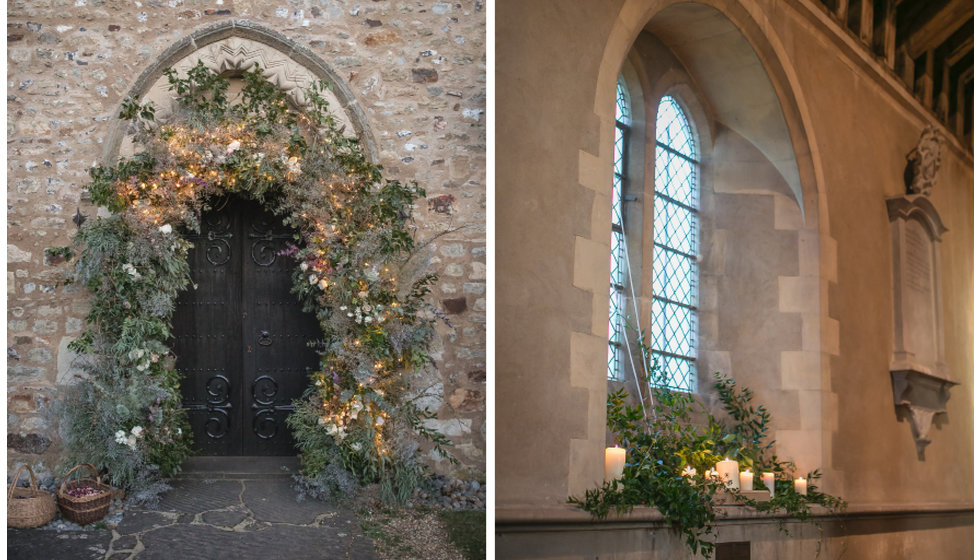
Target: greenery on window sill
[[662, 441]]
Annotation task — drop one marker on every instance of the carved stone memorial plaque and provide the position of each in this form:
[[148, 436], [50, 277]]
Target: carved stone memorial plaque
[[920, 379]]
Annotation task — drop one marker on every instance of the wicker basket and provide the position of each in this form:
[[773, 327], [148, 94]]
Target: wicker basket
[[84, 509], [28, 507]]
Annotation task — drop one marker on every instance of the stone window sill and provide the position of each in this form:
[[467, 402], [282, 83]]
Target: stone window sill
[[568, 514]]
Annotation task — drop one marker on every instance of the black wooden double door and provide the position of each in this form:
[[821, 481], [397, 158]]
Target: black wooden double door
[[241, 338]]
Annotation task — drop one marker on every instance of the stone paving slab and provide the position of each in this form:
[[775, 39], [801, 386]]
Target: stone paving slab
[[275, 501], [37, 544], [207, 542], [200, 518], [226, 519], [134, 522], [195, 496]]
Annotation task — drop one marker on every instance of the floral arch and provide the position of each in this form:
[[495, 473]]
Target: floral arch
[[286, 149]]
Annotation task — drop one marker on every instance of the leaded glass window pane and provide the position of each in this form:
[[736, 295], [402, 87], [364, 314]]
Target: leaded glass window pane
[[673, 338], [673, 130], [617, 257], [622, 103]]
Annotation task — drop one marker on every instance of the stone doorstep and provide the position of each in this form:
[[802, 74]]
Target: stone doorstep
[[239, 467]]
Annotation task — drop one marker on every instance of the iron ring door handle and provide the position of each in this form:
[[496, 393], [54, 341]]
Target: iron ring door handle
[[265, 339]]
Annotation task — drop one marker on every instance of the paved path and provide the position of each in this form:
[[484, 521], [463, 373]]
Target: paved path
[[236, 516]]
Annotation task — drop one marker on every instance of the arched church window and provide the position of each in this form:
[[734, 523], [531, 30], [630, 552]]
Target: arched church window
[[674, 329], [617, 259]]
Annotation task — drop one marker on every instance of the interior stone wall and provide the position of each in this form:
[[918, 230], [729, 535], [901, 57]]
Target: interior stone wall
[[871, 535], [849, 130], [416, 76]]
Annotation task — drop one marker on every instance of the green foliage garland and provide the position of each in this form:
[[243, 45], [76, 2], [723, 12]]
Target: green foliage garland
[[354, 271], [682, 434]]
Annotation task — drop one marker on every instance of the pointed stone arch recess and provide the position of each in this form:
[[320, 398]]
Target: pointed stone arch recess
[[776, 123], [234, 47]]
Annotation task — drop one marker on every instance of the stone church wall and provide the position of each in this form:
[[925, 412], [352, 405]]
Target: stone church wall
[[417, 71]]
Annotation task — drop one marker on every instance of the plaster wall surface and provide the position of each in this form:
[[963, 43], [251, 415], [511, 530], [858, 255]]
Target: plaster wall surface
[[417, 73], [554, 150], [543, 120], [862, 138]]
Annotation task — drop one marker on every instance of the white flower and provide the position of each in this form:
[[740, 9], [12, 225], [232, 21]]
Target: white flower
[[313, 279], [131, 270], [324, 284], [304, 267], [343, 308], [233, 147], [331, 429], [368, 319], [372, 274], [137, 431], [166, 229], [366, 307], [362, 294], [179, 431], [292, 166], [356, 446], [121, 436], [131, 441], [379, 421]]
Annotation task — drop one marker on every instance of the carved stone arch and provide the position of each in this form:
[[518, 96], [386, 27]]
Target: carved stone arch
[[233, 47]]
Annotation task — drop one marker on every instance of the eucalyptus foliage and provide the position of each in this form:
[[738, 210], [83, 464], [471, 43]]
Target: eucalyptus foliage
[[354, 270], [678, 432]]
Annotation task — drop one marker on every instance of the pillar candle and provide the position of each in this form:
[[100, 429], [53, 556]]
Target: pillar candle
[[800, 485], [728, 471], [745, 480], [769, 480], [615, 461]]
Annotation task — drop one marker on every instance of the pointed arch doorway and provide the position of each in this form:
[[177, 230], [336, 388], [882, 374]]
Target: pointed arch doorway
[[241, 338], [212, 341]]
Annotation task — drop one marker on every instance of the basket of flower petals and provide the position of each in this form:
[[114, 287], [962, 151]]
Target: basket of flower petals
[[84, 500]]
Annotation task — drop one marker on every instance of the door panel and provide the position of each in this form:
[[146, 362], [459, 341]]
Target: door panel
[[241, 336], [276, 334]]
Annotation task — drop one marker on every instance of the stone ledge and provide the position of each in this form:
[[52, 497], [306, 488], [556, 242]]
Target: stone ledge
[[571, 515]]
